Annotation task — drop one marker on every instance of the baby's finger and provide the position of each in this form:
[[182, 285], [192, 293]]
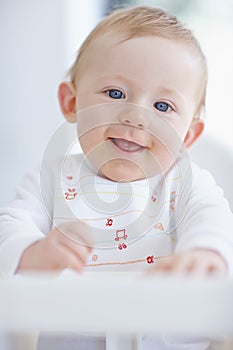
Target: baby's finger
[[175, 264], [164, 264], [79, 232], [182, 264], [66, 258], [204, 269], [81, 251]]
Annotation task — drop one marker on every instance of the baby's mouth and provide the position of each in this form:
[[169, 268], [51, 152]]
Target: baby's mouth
[[127, 146]]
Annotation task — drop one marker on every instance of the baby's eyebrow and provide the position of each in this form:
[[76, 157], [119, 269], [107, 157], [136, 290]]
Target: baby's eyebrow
[[165, 90], [118, 77]]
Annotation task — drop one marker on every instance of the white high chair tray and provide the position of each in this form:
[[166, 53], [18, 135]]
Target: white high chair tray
[[116, 303]]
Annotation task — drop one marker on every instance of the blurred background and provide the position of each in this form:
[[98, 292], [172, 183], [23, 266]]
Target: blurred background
[[39, 41]]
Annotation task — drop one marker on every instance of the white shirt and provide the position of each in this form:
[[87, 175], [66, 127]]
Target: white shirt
[[134, 224]]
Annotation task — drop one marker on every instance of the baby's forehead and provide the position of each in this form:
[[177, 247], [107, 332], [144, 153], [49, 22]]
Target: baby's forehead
[[112, 39], [113, 42]]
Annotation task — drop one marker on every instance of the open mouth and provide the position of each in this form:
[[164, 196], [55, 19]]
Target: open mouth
[[127, 146]]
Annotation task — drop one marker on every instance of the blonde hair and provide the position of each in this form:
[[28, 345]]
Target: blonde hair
[[142, 21]]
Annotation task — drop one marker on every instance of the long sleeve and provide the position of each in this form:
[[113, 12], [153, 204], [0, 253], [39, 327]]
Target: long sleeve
[[25, 221], [204, 218]]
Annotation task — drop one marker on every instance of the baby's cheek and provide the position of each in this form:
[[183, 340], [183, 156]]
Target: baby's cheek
[[163, 155]]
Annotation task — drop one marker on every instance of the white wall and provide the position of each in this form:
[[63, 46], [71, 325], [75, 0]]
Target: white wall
[[38, 42]]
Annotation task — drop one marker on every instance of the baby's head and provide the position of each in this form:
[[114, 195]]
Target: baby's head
[[137, 91]]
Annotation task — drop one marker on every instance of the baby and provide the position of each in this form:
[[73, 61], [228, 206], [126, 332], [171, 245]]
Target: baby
[[132, 200]]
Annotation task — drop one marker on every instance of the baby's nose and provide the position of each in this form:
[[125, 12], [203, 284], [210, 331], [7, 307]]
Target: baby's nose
[[135, 117]]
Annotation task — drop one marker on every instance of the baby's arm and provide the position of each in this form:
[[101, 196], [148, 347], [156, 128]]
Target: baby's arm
[[22, 223], [204, 230], [28, 240]]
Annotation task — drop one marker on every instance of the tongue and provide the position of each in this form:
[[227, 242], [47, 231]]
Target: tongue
[[127, 146]]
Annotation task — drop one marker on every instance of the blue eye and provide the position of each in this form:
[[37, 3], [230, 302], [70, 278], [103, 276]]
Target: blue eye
[[117, 94], [162, 106]]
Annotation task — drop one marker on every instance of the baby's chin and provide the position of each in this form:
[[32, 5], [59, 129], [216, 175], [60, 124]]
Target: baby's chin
[[123, 171]]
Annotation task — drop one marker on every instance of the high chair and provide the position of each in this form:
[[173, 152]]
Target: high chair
[[118, 305], [213, 155]]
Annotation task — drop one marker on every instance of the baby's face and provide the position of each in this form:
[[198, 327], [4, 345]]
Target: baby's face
[[135, 101]]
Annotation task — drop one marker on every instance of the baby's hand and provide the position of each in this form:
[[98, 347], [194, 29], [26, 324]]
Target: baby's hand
[[197, 262], [65, 246]]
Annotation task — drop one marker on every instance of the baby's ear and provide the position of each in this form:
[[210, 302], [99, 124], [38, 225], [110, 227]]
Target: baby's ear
[[67, 100], [195, 130]]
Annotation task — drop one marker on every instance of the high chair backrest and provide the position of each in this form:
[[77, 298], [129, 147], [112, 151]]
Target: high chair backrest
[[213, 155]]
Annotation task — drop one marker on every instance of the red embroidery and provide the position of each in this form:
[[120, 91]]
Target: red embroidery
[[159, 226], [70, 194], [109, 222], [122, 246], [172, 200], [150, 259], [94, 257], [153, 197], [121, 236]]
